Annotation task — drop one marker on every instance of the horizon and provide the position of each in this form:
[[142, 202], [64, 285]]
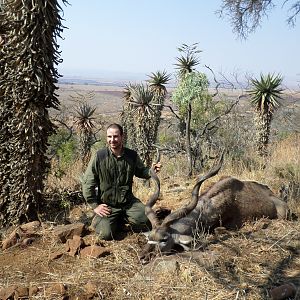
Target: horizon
[[123, 78]]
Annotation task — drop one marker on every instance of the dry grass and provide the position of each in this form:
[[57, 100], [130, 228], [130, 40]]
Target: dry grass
[[242, 264], [238, 265]]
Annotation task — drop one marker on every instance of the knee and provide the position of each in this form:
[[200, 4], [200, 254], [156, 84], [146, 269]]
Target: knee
[[104, 234], [138, 218], [102, 228]]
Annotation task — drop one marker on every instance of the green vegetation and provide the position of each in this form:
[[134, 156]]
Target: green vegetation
[[265, 94], [28, 76], [142, 108]]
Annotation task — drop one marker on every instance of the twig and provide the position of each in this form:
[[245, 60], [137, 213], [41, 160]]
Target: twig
[[279, 240]]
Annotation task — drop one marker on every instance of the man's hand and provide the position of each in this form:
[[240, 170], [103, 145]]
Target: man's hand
[[102, 210], [156, 167]]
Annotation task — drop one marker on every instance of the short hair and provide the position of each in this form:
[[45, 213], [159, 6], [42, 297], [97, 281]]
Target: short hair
[[116, 126]]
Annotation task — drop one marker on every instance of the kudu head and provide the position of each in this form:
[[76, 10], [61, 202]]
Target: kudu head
[[161, 238]]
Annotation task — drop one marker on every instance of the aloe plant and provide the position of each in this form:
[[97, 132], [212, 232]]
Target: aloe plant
[[265, 96], [141, 114], [28, 77], [85, 118]]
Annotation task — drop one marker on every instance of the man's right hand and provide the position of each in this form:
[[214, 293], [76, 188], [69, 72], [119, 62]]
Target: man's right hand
[[102, 210]]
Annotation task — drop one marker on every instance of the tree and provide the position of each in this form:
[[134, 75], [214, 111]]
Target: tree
[[246, 15], [187, 62], [127, 118], [191, 86], [265, 95], [141, 114], [28, 75], [85, 121], [191, 91], [157, 84]]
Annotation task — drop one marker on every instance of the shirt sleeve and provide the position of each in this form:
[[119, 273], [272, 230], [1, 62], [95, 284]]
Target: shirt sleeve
[[90, 183], [141, 170]]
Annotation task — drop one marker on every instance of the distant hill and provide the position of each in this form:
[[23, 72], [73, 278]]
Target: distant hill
[[86, 81]]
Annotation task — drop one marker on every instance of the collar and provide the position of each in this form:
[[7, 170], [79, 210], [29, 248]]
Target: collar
[[111, 152]]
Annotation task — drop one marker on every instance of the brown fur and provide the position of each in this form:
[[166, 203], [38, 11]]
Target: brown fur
[[228, 203], [237, 201]]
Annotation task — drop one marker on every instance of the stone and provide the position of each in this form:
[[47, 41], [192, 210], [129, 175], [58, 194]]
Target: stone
[[11, 240], [21, 292], [21, 233], [29, 228], [282, 292], [33, 290], [65, 232], [7, 293], [74, 245], [56, 254], [94, 251], [91, 290], [54, 290]]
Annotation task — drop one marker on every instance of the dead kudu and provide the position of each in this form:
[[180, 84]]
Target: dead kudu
[[227, 203]]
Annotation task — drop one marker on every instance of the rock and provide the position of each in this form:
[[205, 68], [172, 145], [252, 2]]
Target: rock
[[54, 290], [284, 291], [65, 232], [16, 292], [74, 245], [56, 254], [91, 290], [33, 290], [7, 293], [29, 228], [94, 251], [21, 292], [21, 233], [172, 264], [11, 240]]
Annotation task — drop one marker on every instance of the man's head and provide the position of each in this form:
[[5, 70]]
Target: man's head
[[114, 137]]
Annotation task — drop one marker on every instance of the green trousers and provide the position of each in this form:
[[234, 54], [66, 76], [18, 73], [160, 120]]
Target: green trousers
[[132, 213]]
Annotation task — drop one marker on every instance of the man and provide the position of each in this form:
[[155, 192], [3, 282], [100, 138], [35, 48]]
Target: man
[[111, 171]]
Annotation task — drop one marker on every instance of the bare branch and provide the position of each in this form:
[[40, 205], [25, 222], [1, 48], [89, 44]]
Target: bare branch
[[226, 112]]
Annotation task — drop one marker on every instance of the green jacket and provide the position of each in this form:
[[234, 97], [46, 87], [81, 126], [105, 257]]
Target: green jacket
[[113, 176]]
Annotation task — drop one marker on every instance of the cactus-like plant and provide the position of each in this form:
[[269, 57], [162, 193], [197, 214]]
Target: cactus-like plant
[[265, 94], [28, 77]]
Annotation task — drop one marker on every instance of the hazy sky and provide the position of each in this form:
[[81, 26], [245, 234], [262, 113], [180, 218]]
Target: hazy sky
[[115, 37]]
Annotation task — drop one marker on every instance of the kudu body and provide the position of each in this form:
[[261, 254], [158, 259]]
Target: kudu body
[[228, 203]]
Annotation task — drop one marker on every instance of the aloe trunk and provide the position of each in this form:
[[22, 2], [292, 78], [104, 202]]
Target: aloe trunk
[[29, 55]]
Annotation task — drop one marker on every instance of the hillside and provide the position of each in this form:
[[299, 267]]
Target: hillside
[[45, 260]]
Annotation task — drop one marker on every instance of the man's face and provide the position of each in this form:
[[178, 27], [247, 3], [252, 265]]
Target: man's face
[[114, 138]]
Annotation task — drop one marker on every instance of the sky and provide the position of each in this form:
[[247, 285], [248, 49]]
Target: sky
[[121, 39]]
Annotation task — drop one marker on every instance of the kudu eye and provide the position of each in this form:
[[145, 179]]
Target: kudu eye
[[164, 238]]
